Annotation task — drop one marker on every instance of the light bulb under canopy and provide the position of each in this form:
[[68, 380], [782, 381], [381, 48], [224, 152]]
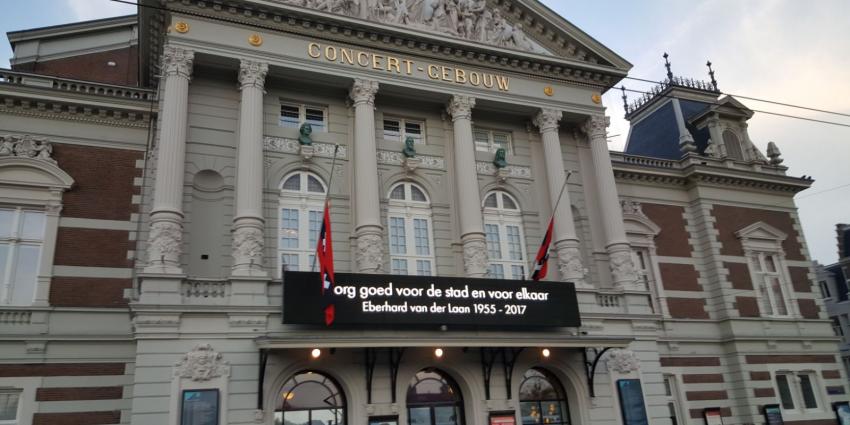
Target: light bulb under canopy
[[316, 353]]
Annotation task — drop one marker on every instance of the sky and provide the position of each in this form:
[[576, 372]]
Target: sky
[[789, 51]]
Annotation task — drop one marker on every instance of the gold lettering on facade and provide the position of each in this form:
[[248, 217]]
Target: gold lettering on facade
[[375, 61]]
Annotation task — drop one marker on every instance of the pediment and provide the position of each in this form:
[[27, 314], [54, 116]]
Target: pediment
[[761, 231], [728, 106], [523, 26]]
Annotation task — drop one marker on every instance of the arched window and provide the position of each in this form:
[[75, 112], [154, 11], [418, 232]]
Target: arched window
[[310, 398], [410, 235], [505, 238], [302, 196], [733, 145], [434, 399], [542, 399]]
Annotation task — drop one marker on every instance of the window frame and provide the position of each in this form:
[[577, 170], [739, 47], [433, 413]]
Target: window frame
[[304, 202], [326, 379], [797, 394], [502, 218], [409, 211], [491, 135], [759, 241], [15, 240], [671, 383], [302, 115], [641, 233], [421, 139], [18, 406]]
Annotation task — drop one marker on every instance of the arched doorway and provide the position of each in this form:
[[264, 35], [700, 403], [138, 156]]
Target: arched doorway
[[310, 398], [542, 399], [433, 398]]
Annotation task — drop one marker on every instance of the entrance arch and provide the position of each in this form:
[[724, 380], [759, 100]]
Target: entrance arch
[[433, 398], [542, 399], [310, 398]]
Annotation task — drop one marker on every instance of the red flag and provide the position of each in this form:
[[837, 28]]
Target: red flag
[[325, 256], [541, 263]]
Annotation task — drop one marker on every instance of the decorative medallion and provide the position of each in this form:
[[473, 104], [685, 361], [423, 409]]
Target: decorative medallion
[[181, 27], [549, 91], [255, 40], [202, 364], [596, 98]]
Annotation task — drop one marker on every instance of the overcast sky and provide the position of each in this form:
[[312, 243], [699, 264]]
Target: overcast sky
[[790, 51]]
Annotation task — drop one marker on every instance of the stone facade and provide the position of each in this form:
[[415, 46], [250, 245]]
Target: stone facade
[[169, 213]]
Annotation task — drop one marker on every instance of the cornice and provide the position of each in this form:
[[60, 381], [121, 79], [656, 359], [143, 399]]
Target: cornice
[[282, 18], [74, 112]]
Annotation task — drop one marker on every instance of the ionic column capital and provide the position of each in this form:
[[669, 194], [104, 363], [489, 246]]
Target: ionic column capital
[[596, 127], [460, 107], [363, 91], [177, 61], [252, 74], [547, 120]]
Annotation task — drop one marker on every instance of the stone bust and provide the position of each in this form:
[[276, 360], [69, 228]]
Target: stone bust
[[499, 161], [304, 134], [409, 151]]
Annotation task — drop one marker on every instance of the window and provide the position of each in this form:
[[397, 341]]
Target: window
[[9, 399], [410, 231], [399, 129], [302, 197], [798, 390], [733, 145], [643, 267], [824, 289], [672, 393], [504, 235], [433, 398], [21, 238], [293, 115], [310, 398], [836, 327], [542, 399], [491, 140], [770, 283]]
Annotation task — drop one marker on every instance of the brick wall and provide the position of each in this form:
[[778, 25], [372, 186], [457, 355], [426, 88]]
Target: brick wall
[[679, 277], [88, 292], [687, 308], [78, 418], [92, 247], [673, 239], [92, 67], [732, 219]]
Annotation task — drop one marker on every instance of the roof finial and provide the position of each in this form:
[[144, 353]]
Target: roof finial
[[711, 73], [667, 65], [625, 99]]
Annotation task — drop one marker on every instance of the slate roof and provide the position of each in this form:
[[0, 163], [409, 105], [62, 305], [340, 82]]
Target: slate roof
[[657, 135]]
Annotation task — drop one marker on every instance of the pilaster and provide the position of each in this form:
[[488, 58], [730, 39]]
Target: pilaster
[[566, 241], [617, 246], [469, 200], [368, 231]]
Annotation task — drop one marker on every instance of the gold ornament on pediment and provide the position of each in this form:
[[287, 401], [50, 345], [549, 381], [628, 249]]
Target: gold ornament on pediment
[[596, 98], [181, 27], [255, 40], [549, 91]]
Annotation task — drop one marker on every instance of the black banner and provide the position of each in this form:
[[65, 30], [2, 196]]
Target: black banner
[[375, 299]]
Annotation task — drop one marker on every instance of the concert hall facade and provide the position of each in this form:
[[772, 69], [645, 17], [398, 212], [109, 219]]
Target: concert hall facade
[[163, 179]]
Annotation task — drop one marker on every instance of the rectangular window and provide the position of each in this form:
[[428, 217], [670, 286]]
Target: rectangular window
[[491, 140], [824, 289], [399, 266], [672, 394], [807, 388], [497, 271], [21, 237], [769, 278], [494, 247], [420, 230], [514, 243], [423, 268], [836, 327], [399, 129], [292, 115], [785, 391], [290, 261], [398, 243], [517, 272], [315, 228], [9, 400], [289, 227]]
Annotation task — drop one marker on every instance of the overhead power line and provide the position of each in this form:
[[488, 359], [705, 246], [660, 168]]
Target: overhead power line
[[602, 87]]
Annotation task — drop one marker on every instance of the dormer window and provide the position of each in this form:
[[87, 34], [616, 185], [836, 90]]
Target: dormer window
[[733, 145]]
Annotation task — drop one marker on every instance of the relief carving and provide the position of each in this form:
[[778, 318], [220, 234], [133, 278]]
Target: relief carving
[[623, 361], [202, 364], [569, 264], [177, 62], [164, 242], [596, 127], [467, 19], [370, 253], [363, 91], [253, 74], [27, 147], [547, 120], [475, 261], [622, 267], [460, 107], [248, 245]]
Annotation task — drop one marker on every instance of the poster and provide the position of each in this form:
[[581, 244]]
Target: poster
[[842, 412], [503, 418], [631, 402], [712, 416], [773, 415], [199, 407]]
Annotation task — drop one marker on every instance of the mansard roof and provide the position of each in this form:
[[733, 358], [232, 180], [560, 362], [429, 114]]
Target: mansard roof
[[514, 33]]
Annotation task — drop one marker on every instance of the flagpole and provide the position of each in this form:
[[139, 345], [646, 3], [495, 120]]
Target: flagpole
[[327, 197], [555, 209]]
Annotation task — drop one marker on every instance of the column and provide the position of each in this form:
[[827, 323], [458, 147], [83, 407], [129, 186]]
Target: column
[[466, 178], [565, 240], [617, 246], [368, 231], [248, 224], [166, 231]]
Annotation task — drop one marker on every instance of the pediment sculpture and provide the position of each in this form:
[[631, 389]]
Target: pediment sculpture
[[27, 147], [467, 19]]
